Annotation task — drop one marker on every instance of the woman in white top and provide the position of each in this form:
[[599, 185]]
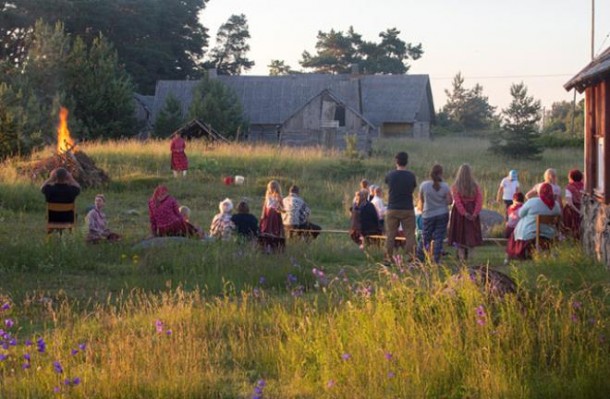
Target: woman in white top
[[508, 187], [435, 197]]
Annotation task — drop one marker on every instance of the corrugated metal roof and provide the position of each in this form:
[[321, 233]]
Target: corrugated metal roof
[[597, 70], [272, 99]]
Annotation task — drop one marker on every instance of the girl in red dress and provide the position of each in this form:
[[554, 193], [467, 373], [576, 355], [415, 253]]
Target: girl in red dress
[[271, 226], [571, 211], [180, 162], [464, 222]]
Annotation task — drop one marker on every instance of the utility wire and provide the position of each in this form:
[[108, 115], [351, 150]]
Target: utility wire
[[599, 50], [560, 75]]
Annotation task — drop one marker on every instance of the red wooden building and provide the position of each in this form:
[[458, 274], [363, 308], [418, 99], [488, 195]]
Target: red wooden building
[[594, 81]]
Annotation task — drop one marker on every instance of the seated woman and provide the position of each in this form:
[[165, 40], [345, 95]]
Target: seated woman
[[164, 213], [222, 227], [97, 223], [524, 236], [365, 221], [245, 222]]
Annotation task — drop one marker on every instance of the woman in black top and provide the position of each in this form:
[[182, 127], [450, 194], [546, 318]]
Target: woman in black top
[[245, 222]]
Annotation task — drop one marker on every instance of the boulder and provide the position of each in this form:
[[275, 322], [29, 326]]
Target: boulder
[[489, 219]]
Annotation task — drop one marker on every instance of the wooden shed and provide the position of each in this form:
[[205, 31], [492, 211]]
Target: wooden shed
[[594, 81]]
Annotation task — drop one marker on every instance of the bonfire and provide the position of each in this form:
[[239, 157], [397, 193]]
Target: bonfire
[[69, 156]]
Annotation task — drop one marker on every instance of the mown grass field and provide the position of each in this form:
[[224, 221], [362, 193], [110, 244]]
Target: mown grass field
[[244, 324]]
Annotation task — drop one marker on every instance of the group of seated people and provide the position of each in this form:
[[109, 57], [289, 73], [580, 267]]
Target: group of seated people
[[288, 216], [281, 217], [543, 200]]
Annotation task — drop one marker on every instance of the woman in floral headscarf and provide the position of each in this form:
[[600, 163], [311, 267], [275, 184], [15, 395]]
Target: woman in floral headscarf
[[525, 233], [165, 216]]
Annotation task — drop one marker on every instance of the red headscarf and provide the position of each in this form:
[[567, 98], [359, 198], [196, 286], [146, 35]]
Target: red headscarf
[[161, 192], [546, 195]]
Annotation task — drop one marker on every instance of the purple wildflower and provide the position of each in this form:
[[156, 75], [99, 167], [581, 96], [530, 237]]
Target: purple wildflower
[[57, 367], [74, 352], [159, 326], [480, 311], [76, 381], [391, 374], [168, 332], [330, 383], [389, 356], [82, 346], [3, 357], [481, 322], [574, 317], [297, 292], [9, 323], [256, 293], [12, 342], [258, 389], [5, 345], [576, 305], [27, 357], [42, 346], [5, 306], [26, 366], [67, 382], [28, 342], [346, 356], [57, 390], [262, 280], [292, 278]]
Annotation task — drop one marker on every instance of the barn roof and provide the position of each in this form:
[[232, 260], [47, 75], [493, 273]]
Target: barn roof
[[597, 70], [273, 99]]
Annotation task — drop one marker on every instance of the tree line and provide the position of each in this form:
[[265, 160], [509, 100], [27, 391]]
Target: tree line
[[92, 56]]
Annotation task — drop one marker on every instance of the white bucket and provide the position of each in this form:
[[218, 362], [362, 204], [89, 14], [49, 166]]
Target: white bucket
[[239, 180]]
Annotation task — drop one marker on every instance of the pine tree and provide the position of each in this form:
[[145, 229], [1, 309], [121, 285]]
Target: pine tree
[[216, 104], [229, 55], [170, 118], [517, 139]]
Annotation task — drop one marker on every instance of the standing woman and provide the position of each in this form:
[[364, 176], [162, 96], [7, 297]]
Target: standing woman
[[435, 197], [571, 211], [180, 162], [464, 223], [271, 226]]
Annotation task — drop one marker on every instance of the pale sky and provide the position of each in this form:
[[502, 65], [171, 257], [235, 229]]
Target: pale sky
[[492, 42]]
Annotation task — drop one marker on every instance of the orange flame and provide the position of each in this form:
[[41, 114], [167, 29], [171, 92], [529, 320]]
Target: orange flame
[[64, 141]]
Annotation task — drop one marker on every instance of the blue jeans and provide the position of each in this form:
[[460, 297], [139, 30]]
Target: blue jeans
[[435, 229]]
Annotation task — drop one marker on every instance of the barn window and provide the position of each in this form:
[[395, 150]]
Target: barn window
[[340, 114]]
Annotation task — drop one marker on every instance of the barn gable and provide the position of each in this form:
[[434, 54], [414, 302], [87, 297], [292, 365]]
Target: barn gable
[[325, 120]]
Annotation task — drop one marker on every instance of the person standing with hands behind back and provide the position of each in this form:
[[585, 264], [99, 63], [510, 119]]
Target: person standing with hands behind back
[[464, 222], [401, 183]]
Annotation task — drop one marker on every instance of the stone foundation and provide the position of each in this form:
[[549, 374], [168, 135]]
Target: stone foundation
[[595, 228]]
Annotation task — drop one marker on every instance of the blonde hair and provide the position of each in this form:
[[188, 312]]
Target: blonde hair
[[464, 182], [185, 211], [226, 205], [550, 176], [273, 190]]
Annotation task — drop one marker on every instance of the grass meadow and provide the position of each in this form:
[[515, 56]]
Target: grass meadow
[[322, 320]]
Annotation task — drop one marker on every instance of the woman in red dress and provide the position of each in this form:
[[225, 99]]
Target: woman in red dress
[[571, 211], [165, 216], [464, 222], [180, 162]]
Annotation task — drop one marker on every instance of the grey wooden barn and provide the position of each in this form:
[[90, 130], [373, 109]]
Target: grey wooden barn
[[321, 109]]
